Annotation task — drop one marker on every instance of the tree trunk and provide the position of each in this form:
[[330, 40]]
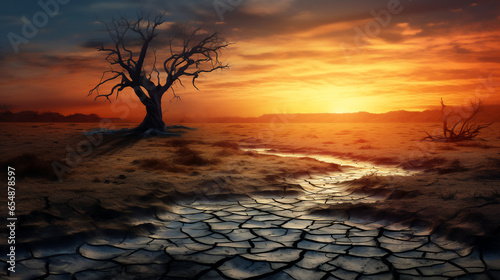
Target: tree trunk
[[153, 119]]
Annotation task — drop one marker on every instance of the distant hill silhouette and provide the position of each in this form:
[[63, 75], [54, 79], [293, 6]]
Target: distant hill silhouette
[[32, 116], [488, 114]]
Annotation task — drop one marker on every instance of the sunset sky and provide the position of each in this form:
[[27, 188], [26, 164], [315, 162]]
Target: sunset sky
[[288, 56]]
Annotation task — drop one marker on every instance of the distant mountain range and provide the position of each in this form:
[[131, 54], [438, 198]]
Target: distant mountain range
[[32, 116], [488, 114]]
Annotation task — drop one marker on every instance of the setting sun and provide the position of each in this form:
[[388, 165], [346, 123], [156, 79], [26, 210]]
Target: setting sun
[[322, 59]]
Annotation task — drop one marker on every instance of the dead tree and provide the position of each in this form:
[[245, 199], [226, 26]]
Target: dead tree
[[129, 56], [462, 128]]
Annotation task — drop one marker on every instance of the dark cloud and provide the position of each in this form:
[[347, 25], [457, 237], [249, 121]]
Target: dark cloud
[[494, 58], [305, 15], [438, 18], [92, 44], [26, 67]]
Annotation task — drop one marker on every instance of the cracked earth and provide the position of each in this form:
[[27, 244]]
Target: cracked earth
[[259, 237], [131, 227]]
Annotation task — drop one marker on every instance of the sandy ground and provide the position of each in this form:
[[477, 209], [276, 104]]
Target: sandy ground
[[451, 189]]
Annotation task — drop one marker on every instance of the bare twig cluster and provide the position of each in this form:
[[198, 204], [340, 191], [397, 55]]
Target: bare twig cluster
[[460, 129]]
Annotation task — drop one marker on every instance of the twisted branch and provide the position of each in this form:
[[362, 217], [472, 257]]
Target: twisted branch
[[468, 129], [194, 57]]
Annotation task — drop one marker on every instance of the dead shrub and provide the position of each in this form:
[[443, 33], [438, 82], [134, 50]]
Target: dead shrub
[[371, 179], [423, 163], [160, 164], [226, 152], [180, 142], [447, 196], [226, 145], [453, 167], [187, 156]]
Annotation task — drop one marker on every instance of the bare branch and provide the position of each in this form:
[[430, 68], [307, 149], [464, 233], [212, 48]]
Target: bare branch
[[468, 130], [203, 57], [197, 73], [196, 55]]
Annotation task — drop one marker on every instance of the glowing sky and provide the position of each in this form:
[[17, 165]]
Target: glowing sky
[[288, 56]]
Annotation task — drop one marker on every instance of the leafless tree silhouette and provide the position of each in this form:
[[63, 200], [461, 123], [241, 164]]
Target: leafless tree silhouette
[[462, 128], [195, 53]]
